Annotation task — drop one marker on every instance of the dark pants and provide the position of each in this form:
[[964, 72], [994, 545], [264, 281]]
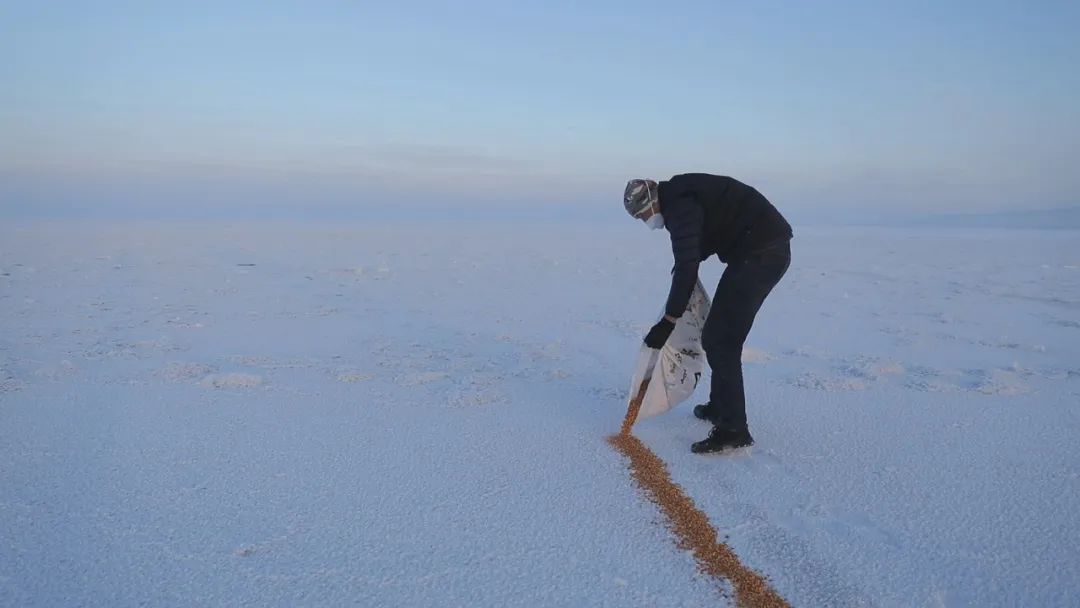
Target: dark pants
[[739, 296]]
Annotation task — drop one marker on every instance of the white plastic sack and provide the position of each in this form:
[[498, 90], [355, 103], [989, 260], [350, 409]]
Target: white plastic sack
[[674, 370]]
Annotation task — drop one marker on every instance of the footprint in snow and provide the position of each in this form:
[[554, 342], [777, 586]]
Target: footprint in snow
[[1005, 382], [608, 393], [755, 355], [57, 372], [813, 381], [9, 384], [232, 380], [997, 382], [180, 371], [417, 379], [351, 377], [870, 369], [476, 398]]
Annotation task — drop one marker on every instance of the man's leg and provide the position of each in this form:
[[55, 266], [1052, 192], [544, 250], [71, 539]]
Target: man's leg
[[739, 296]]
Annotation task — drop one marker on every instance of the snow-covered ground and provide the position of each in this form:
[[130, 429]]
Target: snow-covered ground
[[273, 414]]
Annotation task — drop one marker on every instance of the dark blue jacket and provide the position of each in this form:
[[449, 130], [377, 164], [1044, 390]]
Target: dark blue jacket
[[712, 214]]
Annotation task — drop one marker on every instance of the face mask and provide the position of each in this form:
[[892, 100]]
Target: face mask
[[656, 221]]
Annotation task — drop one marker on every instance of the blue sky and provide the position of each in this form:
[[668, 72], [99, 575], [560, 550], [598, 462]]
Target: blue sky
[[842, 107]]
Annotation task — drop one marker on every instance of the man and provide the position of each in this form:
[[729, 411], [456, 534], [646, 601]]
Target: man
[[707, 215]]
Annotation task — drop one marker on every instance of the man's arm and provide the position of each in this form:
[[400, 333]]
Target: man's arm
[[685, 220]]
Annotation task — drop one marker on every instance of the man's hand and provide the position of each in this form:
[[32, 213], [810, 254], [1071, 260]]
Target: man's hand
[[659, 334]]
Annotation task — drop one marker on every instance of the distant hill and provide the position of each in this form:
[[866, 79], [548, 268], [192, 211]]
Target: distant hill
[[1067, 218]]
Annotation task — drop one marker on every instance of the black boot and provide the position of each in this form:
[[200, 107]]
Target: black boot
[[721, 439], [701, 412]]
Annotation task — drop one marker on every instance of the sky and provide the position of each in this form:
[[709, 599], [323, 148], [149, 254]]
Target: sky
[[264, 107]]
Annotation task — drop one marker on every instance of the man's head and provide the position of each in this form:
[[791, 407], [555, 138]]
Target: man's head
[[642, 201]]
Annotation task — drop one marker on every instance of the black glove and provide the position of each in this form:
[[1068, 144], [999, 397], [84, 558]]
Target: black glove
[[659, 334]]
